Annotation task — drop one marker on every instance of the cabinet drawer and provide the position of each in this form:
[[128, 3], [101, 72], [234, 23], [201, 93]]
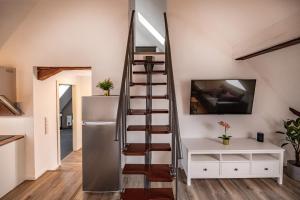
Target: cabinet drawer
[[205, 170], [265, 169], [235, 169]]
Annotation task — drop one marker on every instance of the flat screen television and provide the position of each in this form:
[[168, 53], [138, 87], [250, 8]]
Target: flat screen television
[[232, 96]]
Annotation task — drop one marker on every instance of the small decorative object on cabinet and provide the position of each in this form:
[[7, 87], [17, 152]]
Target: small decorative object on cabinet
[[225, 137], [106, 86], [260, 137], [292, 136]]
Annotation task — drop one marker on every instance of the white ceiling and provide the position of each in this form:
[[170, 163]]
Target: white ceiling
[[242, 27], [233, 22], [12, 13], [239, 20]]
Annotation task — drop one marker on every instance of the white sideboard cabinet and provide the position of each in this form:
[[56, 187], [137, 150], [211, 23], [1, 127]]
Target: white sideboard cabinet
[[242, 158]]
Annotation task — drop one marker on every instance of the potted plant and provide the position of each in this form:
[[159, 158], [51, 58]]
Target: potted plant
[[225, 137], [292, 137], [106, 85]]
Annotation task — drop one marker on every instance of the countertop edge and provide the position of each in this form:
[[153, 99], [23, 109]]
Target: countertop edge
[[9, 140]]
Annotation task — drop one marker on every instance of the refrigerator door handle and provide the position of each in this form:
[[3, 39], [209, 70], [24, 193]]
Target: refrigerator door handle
[[96, 123]]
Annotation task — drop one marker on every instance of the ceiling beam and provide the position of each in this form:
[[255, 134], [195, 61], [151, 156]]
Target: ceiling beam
[[44, 73], [270, 49]]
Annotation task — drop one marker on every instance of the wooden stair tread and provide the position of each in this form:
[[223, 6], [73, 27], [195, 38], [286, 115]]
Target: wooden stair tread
[[152, 97], [152, 129], [153, 72], [147, 194], [140, 149], [143, 62], [153, 172], [144, 112], [149, 53], [145, 84]]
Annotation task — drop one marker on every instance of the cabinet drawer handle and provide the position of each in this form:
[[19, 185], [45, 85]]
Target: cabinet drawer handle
[[236, 169], [266, 169], [205, 169]]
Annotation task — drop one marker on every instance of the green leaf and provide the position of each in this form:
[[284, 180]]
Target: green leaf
[[288, 123], [285, 124], [107, 84], [284, 144], [298, 122], [295, 123]]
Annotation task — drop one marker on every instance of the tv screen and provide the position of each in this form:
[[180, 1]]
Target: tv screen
[[222, 96]]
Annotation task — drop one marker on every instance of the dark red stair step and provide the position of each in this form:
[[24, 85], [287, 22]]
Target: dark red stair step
[[143, 62], [144, 112], [153, 97], [149, 53], [153, 172], [147, 194], [153, 72], [154, 129], [140, 149], [145, 84]]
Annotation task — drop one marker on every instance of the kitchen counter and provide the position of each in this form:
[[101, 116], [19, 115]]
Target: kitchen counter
[[12, 168], [5, 139]]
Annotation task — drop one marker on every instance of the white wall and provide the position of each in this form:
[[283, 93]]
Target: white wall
[[62, 33], [46, 108], [8, 83], [203, 34], [198, 55]]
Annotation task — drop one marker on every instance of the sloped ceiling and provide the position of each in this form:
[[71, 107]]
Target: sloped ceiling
[[245, 25], [12, 14], [242, 25]]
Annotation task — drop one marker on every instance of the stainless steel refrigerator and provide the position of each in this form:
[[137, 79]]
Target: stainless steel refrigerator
[[100, 152]]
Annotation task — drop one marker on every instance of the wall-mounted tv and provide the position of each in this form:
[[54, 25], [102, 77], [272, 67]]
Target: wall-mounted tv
[[230, 96]]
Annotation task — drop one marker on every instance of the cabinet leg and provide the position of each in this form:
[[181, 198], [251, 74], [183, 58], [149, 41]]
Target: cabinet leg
[[188, 180], [281, 160]]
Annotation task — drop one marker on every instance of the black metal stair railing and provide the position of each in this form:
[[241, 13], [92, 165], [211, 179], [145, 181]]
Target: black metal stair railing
[[124, 102], [124, 99], [173, 113]]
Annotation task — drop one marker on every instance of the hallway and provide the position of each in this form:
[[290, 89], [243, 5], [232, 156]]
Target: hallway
[[66, 142], [65, 184]]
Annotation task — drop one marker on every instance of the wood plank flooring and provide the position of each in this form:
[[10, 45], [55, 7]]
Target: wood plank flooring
[[65, 183]]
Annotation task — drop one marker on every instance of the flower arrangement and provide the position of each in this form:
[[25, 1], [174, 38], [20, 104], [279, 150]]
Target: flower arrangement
[[225, 137], [106, 85]]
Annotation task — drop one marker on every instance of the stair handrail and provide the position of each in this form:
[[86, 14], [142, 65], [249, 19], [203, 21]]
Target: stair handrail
[[124, 98], [174, 122], [173, 113]]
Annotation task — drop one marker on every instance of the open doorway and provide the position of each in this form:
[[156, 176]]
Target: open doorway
[[66, 119]]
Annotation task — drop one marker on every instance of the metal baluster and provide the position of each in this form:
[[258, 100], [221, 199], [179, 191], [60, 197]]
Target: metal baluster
[[148, 119]]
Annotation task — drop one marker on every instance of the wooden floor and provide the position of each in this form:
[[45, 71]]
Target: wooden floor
[[66, 183]]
